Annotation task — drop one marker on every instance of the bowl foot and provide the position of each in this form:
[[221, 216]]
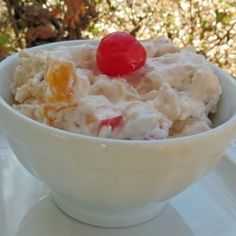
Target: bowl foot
[[112, 218]]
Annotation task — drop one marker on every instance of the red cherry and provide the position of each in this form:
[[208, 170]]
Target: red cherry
[[113, 122], [119, 54]]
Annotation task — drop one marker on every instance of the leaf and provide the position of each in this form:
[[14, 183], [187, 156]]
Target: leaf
[[171, 19], [207, 25], [10, 49], [203, 45], [56, 12], [196, 5], [75, 9], [94, 30], [190, 38], [219, 16], [42, 32], [4, 38], [227, 20]]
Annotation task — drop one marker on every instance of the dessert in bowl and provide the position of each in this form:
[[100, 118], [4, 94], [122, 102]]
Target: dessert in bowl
[[123, 144]]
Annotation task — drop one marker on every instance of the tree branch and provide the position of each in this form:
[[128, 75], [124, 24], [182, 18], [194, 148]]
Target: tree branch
[[14, 26], [221, 39], [190, 40]]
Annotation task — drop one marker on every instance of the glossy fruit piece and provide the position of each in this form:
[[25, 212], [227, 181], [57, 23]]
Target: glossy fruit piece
[[119, 54], [113, 122], [61, 79]]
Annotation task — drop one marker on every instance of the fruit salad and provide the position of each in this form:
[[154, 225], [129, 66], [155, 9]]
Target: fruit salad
[[119, 88]]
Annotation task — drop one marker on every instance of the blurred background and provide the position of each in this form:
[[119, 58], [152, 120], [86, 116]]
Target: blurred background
[[208, 25]]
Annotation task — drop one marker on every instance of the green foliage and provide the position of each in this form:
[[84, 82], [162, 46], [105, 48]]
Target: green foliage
[[220, 16], [4, 38]]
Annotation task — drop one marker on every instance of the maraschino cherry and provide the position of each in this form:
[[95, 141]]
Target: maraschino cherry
[[119, 54]]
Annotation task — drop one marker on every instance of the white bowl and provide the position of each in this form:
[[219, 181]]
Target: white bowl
[[107, 182]]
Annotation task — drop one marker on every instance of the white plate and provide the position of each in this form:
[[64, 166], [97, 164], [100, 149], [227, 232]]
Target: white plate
[[208, 208]]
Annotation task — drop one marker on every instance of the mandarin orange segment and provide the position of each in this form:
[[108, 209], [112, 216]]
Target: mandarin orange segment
[[61, 79]]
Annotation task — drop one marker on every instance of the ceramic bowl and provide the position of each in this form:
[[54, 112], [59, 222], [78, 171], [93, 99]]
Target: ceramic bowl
[[114, 183]]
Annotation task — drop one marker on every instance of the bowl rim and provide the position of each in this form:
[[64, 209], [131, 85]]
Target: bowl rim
[[69, 134]]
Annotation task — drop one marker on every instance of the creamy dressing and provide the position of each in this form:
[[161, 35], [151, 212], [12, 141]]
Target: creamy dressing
[[171, 95]]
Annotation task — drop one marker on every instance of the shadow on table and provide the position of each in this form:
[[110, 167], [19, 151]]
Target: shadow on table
[[45, 219]]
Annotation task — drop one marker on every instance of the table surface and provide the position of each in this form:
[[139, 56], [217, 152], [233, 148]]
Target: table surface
[[208, 208]]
